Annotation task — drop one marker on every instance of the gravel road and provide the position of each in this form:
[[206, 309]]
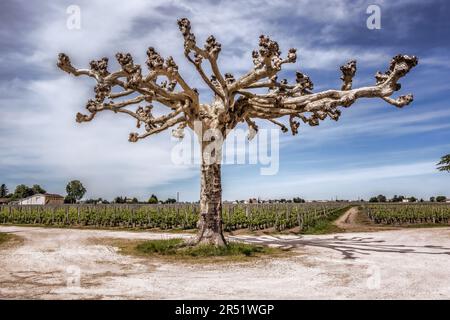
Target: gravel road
[[68, 264]]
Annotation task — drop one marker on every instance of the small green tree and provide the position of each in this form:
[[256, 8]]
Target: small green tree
[[134, 200], [119, 200], [22, 191], [75, 191], [441, 198], [3, 190], [153, 199], [381, 198], [398, 198], [444, 164], [298, 200], [432, 199], [373, 199]]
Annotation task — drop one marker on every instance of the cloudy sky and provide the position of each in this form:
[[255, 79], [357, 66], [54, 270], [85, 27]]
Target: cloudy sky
[[374, 148]]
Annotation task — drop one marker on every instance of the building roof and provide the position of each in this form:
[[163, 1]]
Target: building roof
[[53, 195]]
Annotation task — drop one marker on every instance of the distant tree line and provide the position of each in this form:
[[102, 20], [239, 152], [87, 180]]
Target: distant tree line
[[152, 200], [282, 200], [396, 198], [131, 200], [21, 191], [438, 199], [75, 191]]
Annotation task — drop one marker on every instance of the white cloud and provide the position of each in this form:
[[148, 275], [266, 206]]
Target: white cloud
[[47, 138]]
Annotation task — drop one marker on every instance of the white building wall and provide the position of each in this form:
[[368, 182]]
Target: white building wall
[[37, 199]]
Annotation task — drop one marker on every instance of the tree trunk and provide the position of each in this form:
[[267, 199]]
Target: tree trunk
[[210, 221]]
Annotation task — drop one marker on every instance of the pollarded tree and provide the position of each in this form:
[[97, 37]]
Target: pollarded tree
[[235, 101]]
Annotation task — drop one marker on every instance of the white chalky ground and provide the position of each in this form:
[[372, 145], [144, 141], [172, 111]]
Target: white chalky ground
[[67, 264]]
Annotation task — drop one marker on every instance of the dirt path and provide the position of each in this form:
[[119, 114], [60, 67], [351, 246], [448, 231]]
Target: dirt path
[[408, 264], [348, 218], [355, 221]]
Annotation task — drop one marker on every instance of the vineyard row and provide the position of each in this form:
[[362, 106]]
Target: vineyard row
[[252, 216], [408, 214]]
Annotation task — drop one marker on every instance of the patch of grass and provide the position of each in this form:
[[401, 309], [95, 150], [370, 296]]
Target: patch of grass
[[8, 240], [3, 237], [177, 247], [325, 225], [175, 250], [232, 249], [164, 247]]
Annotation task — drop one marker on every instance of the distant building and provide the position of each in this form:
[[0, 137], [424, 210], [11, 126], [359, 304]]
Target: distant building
[[42, 199], [4, 200]]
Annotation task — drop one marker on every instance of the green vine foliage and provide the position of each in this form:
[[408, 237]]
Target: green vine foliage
[[169, 216], [408, 213]]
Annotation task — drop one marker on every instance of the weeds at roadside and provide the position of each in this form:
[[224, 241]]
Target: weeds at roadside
[[9, 240], [174, 250]]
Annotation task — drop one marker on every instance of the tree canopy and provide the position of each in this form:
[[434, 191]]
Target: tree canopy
[[75, 191], [3, 190], [153, 199], [444, 163]]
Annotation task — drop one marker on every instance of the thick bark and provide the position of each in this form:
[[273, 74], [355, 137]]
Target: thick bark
[[210, 220]]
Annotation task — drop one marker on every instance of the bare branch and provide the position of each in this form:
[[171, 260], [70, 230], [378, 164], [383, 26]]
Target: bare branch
[[134, 137], [121, 94], [401, 101], [210, 52], [325, 103], [253, 128], [348, 72], [168, 68], [267, 62], [295, 100], [199, 68], [282, 126], [134, 80]]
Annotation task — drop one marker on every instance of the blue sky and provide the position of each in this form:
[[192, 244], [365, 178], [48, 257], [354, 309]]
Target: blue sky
[[374, 148]]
